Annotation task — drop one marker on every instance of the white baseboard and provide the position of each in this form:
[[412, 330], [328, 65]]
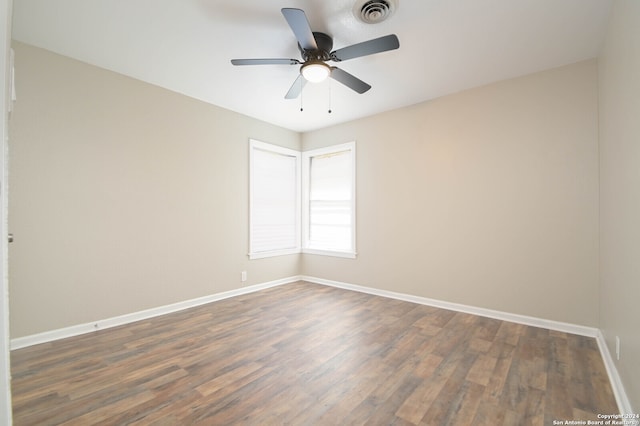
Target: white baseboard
[[624, 405], [48, 336], [504, 316]]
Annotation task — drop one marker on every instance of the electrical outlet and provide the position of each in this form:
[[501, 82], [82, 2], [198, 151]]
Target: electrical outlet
[[618, 348], [243, 276]]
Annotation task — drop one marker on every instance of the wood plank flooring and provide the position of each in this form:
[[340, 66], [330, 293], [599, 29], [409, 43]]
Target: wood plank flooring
[[303, 354]]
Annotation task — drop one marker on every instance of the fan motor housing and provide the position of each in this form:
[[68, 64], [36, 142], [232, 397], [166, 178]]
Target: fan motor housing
[[325, 45]]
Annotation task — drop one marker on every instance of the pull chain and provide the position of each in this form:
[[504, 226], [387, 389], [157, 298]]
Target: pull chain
[[329, 97], [301, 108]]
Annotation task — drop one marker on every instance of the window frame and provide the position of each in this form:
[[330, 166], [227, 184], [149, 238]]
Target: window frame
[[274, 149], [306, 162]]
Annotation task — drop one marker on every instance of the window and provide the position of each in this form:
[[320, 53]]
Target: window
[[321, 198], [329, 200], [274, 200]]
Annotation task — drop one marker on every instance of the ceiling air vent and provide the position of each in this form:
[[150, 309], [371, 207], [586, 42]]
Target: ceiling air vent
[[374, 11]]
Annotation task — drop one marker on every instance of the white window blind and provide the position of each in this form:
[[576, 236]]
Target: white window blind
[[330, 200], [274, 200]]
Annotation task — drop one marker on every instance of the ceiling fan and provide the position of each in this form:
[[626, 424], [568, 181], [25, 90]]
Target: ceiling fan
[[315, 48]]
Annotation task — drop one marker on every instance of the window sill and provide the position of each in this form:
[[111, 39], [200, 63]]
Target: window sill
[[319, 252], [333, 253], [274, 253]]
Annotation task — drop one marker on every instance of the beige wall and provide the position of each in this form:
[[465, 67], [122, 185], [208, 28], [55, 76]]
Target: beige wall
[[488, 197], [123, 196], [619, 84]]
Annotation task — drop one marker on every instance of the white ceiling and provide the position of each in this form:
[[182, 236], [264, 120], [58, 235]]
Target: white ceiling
[[186, 45]]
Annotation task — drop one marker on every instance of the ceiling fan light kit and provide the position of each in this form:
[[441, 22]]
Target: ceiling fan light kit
[[315, 71], [315, 49]]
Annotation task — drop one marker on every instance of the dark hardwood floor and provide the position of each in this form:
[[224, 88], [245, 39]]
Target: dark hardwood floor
[[303, 354]]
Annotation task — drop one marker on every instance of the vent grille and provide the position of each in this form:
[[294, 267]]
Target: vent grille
[[374, 11]]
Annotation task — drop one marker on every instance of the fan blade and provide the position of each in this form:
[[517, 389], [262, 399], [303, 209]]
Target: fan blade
[[377, 45], [301, 29], [349, 80], [296, 88], [273, 61]]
